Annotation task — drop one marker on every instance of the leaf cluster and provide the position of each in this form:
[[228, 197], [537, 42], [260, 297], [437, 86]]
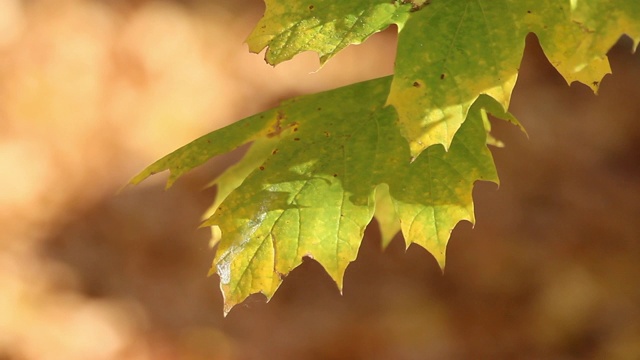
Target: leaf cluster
[[406, 148]]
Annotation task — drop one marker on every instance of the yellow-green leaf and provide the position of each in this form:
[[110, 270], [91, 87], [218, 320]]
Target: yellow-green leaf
[[451, 52], [435, 194], [324, 26], [317, 162]]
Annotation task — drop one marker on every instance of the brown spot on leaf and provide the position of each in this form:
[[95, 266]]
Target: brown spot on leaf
[[261, 167], [277, 127], [442, 76], [416, 84]]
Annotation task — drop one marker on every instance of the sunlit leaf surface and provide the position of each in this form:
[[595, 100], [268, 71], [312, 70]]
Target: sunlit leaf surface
[[314, 192]]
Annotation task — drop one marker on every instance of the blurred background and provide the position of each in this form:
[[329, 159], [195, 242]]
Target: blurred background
[[93, 91]]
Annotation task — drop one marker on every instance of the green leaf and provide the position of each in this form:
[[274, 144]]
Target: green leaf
[[326, 27], [314, 193], [313, 196], [451, 52], [435, 193]]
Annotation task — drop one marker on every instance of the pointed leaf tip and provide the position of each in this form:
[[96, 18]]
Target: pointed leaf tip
[[435, 191]]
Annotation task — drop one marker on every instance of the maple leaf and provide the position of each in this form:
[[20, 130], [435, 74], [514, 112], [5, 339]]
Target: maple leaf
[[313, 174], [324, 26], [451, 52]]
